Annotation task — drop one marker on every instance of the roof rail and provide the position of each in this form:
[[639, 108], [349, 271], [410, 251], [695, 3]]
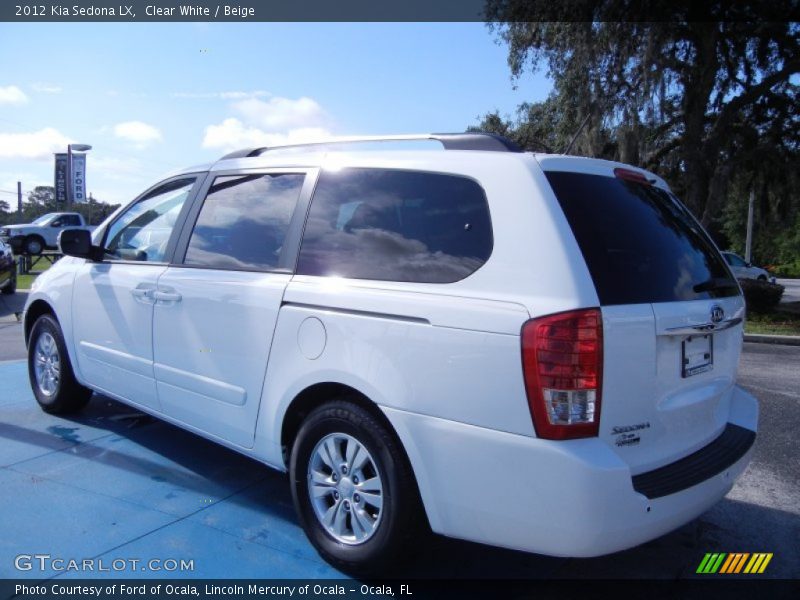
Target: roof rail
[[489, 142]]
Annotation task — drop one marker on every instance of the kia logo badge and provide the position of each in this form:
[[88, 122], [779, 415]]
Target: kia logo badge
[[717, 314]]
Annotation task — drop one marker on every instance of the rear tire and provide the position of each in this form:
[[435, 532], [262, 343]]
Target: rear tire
[[50, 372], [353, 489]]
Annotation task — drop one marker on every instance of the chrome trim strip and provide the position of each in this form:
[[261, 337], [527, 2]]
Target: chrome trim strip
[[702, 328]]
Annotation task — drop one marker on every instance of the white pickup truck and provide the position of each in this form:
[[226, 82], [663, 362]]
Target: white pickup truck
[[35, 237]]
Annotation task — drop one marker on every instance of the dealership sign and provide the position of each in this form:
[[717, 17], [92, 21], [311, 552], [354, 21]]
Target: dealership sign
[[61, 179], [70, 178], [79, 178]]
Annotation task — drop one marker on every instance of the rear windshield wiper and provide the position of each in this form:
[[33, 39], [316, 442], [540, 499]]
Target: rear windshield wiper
[[715, 283]]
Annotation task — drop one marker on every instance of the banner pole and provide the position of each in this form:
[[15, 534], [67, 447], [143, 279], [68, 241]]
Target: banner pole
[[69, 175]]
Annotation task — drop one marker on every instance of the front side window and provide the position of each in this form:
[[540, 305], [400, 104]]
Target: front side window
[[243, 222], [142, 232], [396, 226]]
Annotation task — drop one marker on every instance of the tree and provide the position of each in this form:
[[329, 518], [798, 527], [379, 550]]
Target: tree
[[94, 211], [43, 196], [702, 102], [42, 200], [5, 212]]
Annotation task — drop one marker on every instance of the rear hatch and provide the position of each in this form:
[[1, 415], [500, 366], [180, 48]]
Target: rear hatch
[[671, 312]]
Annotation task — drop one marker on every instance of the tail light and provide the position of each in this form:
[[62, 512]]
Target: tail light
[[562, 361]]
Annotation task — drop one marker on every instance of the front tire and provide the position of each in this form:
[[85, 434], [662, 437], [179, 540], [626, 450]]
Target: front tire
[[353, 489], [50, 372], [34, 245]]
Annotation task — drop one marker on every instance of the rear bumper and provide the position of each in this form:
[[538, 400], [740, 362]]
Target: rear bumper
[[573, 498], [724, 452]]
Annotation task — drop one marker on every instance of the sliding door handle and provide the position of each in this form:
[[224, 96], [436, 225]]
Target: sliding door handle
[[158, 295]]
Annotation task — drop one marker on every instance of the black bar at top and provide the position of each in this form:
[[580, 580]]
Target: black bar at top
[[397, 10]]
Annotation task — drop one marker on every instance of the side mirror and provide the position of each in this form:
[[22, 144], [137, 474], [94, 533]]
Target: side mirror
[[55, 224], [77, 242], [748, 265]]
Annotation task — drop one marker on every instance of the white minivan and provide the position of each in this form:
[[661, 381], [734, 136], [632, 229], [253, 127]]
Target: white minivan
[[532, 351]]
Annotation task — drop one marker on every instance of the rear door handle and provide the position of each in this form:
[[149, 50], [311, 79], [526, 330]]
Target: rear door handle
[[158, 295]]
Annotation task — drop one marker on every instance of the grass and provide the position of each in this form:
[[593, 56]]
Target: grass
[[785, 321], [24, 281]]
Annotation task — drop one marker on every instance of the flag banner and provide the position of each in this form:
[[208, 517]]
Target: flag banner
[[78, 178], [60, 184]]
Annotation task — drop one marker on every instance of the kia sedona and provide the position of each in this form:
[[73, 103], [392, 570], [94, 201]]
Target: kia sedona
[[532, 351]]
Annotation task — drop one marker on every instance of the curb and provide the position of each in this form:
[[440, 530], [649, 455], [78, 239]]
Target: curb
[[788, 340]]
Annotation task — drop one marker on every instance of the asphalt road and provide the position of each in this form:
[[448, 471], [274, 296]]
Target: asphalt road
[[791, 293], [760, 514], [12, 345]]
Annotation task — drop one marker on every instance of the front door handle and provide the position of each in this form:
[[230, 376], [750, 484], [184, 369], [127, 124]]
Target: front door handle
[[158, 295], [142, 293]]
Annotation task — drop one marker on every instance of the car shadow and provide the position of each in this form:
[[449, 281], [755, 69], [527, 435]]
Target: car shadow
[[11, 305], [193, 463]]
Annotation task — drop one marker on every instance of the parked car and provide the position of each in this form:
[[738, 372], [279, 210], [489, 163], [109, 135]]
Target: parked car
[[449, 338], [43, 233], [8, 269], [743, 269]]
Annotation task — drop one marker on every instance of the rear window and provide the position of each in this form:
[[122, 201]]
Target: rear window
[[640, 243]]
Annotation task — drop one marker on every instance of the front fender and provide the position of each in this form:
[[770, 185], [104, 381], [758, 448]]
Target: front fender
[[54, 288]]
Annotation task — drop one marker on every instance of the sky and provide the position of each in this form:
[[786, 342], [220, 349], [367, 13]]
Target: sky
[[154, 97]]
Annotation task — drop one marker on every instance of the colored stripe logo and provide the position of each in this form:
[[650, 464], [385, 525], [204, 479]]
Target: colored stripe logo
[[734, 563]]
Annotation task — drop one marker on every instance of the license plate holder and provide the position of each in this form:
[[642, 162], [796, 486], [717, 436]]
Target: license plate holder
[[697, 354]]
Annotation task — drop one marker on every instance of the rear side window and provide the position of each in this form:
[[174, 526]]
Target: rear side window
[[396, 226], [640, 244], [70, 220], [243, 222]]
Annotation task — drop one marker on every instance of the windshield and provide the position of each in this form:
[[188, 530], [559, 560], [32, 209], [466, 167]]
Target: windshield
[[640, 243], [43, 220]]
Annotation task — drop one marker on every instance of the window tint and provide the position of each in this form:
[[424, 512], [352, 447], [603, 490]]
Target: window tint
[[243, 222], [640, 244], [70, 220], [141, 233], [396, 225]]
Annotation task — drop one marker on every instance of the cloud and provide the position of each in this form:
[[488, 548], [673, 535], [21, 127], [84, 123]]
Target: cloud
[[12, 95], [232, 134], [116, 168], [8, 182], [276, 121], [46, 88], [281, 113], [37, 145], [221, 95], [141, 134]]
